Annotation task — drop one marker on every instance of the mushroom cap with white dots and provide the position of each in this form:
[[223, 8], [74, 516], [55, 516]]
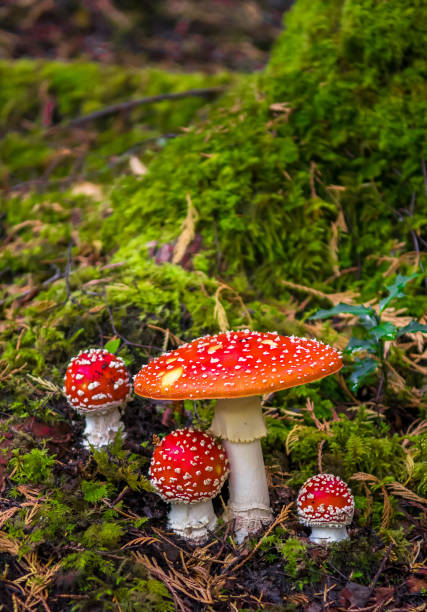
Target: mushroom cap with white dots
[[188, 466], [96, 381], [325, 500], [236, 364]]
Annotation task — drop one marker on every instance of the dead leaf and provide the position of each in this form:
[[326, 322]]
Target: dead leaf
[[354, 594], [282, 108], [137, 166], [219, 311], [96, 309], [187, 233], [416, 585], [383, 594], [88, 189], [164, 253]]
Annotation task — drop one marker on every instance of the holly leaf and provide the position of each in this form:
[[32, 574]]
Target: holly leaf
[[112, 345], [396, 289], [361, 372], [359, 310], [355, 345], [411, 328], [384, 331]]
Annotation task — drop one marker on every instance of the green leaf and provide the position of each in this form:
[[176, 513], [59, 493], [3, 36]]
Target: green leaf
[[396, 289], [411, 328], [358, 310], [361, 372], [384, 331], [356, 345], [112, 345]]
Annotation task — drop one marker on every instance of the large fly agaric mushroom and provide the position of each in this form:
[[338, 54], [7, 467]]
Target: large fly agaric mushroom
[[237, 367], [187, 470], [96, 384], [325, 504]]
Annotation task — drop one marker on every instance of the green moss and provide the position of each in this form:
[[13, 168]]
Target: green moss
[[34, 467], [106, 535], [249, 168], [77, 89]]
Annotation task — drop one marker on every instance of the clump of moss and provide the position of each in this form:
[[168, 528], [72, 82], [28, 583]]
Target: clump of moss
[[39, 97], [305, 168]]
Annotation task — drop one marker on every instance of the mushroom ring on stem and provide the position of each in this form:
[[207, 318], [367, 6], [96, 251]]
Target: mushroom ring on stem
[[237, 368], [187, 470], [96, 384], [325, 504]]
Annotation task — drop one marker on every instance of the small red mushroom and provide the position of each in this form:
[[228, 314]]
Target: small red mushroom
[[96, 384], [237, 368], [188, 469], [325, 504]]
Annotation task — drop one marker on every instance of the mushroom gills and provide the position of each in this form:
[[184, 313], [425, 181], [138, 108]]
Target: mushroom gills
[[326, 535]]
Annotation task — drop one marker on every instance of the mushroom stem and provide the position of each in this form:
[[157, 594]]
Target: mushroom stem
[[249, 503], [192, 521], [240, 423], [327, 535], [239, 419], [101, 428]]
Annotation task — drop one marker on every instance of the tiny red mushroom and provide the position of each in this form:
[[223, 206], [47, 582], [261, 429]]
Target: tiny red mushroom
[[237, 367], [96, 384], [325, 504], [187, 470]]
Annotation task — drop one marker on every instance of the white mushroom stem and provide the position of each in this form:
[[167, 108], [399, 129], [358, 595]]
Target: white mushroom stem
[[101, 427], [327, 535], [249, 503], [192, 521], [240, 423]]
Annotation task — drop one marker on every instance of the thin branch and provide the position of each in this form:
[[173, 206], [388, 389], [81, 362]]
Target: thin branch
[[377, 575], [119, 335], [130, 104], [319, 455], [423, 166]]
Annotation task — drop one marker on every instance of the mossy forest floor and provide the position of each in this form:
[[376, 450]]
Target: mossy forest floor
[[292, 199]]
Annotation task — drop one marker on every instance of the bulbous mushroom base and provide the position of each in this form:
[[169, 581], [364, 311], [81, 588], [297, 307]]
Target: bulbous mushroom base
[[328, 535], [101, 428], [194, 522], [248, 521]]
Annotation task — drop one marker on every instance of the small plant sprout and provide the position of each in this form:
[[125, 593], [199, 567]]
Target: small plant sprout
[[325, 504], [237, 368], [369, 344], [97, 384], [187, 470]]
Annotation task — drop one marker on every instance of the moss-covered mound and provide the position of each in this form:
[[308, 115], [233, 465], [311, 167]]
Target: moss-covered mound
[[309, 167]]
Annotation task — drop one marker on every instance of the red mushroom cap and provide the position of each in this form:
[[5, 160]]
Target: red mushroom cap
[[236, 364], [325, 500], [95, 380], [188, 466]]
